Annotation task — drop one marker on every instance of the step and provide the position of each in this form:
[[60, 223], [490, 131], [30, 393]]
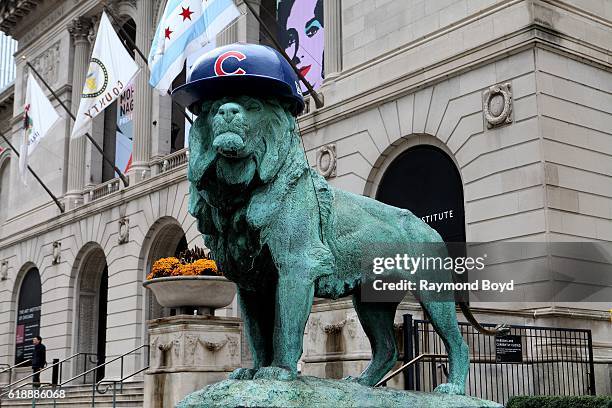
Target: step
[[80, 396], [76, 403], [135, 401]]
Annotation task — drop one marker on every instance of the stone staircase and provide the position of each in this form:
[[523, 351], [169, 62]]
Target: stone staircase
[[80, 396]]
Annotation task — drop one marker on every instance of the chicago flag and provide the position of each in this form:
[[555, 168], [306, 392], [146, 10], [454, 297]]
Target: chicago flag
[[39, 117], [185, 28], [111, 69]]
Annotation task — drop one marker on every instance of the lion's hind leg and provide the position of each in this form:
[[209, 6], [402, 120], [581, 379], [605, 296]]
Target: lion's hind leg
[[444, 321], [377, 322]]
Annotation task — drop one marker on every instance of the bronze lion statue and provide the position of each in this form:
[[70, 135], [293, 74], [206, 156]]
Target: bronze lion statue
[[278, 230], [283, 242]]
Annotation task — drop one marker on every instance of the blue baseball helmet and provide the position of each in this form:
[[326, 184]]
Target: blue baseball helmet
[[241, 69]]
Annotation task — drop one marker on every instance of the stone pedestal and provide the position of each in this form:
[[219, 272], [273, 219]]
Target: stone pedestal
[[319, 392], [335, 345], [188, 353]]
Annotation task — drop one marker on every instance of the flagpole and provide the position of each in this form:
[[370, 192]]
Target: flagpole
[[317, 98], [126, 182], [133, 45], [57, 202]]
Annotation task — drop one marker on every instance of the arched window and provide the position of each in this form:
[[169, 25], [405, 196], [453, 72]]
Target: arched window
[[28, 315], [119, 119], [424, 180]]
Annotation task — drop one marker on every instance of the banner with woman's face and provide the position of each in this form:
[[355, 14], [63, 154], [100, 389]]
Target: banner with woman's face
[[301, 33]]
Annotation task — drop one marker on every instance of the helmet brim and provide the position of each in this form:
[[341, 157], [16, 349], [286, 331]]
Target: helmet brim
[[233, 85]]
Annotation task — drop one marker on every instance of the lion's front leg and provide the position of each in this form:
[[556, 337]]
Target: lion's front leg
[[257, 309], [294, 296]]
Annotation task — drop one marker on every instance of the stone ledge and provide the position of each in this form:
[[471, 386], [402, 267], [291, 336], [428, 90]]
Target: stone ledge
[[318, 392]]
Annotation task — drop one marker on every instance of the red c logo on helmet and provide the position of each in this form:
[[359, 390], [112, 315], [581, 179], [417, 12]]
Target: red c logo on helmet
[[219, 71]]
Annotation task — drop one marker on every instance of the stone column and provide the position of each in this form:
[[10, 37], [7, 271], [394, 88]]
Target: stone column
[[79, 30], [332, 16], [141, 150], [247, 26]]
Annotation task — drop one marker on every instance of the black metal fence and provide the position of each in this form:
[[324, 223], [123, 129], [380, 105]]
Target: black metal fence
[[528, 360]]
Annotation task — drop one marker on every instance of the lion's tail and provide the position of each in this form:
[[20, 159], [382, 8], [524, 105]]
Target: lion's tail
[[467, 312]]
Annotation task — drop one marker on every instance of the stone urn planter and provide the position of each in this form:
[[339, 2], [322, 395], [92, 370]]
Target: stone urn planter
[[206, 293]]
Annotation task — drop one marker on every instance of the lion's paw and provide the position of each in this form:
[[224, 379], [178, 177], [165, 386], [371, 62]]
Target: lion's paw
[[274, 373], [450, 388], [242, 374]]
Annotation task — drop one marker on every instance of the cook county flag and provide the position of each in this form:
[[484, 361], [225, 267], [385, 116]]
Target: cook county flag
[[39, 117], [185, 27], [111, 69]]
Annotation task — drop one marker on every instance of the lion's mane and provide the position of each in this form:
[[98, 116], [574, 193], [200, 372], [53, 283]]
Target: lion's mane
[[232, 216]]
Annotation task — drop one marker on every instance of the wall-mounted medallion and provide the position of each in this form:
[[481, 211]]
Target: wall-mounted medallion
[[327, 160], [497, 105]]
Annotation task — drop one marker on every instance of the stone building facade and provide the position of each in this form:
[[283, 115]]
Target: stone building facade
[[516, 94]]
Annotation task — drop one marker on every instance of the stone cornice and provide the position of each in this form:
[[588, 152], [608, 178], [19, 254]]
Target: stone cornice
[[531, 36], [325, 305], [110, 201], [12, 11]]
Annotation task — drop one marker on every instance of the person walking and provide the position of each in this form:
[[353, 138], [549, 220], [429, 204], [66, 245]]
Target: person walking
[[39, 360]]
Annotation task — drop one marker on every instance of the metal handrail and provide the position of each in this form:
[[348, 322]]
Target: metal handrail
[[114, 385], [10, 367], [407, 365], [105, 364], [10, 386], [96, 385]]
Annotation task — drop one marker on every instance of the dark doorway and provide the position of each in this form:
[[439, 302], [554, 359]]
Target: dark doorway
[[92, 310], [102, 308], [424, 180], [28, 316]]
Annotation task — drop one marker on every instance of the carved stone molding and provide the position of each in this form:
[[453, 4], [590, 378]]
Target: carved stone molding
[[176, 345], [334, 328], [57, 253], [124, 231], [191, 343], [4, 270], [12, 11], [497, 105], [153, 347], [214, 346], [232, 345], [315, 326], [351, 327], [80, 28], [326, 160], [47, 64]]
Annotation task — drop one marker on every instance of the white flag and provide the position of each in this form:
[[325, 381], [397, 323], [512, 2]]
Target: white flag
[[185, 28], [111, 69], [39, 117]]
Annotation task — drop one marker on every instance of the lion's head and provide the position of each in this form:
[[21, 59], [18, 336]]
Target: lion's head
[[236, 145]]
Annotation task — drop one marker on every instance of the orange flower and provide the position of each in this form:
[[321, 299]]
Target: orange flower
[[205, 267], [164, 267], [173, 267]]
